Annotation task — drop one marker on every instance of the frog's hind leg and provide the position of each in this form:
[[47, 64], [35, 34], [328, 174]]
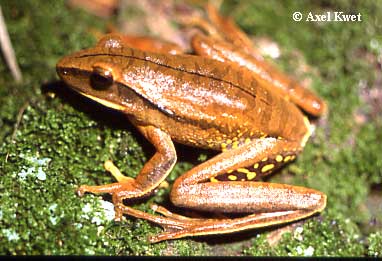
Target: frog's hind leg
[[177, 226], [269, 203]]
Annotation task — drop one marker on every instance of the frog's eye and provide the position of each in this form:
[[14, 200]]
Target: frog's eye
[[101, 78]]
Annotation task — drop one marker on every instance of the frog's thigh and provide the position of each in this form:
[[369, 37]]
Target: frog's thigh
[[250, 197], [193, 189]]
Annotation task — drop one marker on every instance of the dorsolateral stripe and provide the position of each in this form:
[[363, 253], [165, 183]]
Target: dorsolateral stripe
[[167, 66]]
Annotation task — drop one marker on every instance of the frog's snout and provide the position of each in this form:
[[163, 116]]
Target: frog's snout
[[62, 68]]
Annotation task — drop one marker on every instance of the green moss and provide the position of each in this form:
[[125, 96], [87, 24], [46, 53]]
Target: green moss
[[367, 151], [375, 244], [323, 236], [52, 145]]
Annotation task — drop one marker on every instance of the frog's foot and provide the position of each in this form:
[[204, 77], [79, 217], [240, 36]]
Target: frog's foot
[[119, 192], [165, 212], [177, 226], [124, 183], [194, 21], [123, 189]]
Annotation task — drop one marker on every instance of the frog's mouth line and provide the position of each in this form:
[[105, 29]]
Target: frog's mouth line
[[104, 102]]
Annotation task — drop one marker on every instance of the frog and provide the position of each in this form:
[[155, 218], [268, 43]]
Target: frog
[[255, 125]]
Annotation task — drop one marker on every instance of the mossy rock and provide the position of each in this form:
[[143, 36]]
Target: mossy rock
[[53, 140]]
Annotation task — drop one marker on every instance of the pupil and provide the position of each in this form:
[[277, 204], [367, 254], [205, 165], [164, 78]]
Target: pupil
[[101, 80]]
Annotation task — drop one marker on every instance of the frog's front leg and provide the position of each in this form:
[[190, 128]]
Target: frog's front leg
[[268, 203], [152, 174]]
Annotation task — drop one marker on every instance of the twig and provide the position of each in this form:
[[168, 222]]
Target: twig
[[17, 124], [6, 47]]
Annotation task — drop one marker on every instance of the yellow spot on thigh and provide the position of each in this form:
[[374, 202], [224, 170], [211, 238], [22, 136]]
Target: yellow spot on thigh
[[229, 141], [232, 177], [230, 171], [251, 175], [287, 158], [235, 145], [224, 146], [265, 159], [247, 140], [243, 170], [213, 179], [267, 167], [256, 165], [279, 158]]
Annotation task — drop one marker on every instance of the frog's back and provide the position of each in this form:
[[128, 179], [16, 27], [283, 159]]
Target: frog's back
[[209, 97]]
